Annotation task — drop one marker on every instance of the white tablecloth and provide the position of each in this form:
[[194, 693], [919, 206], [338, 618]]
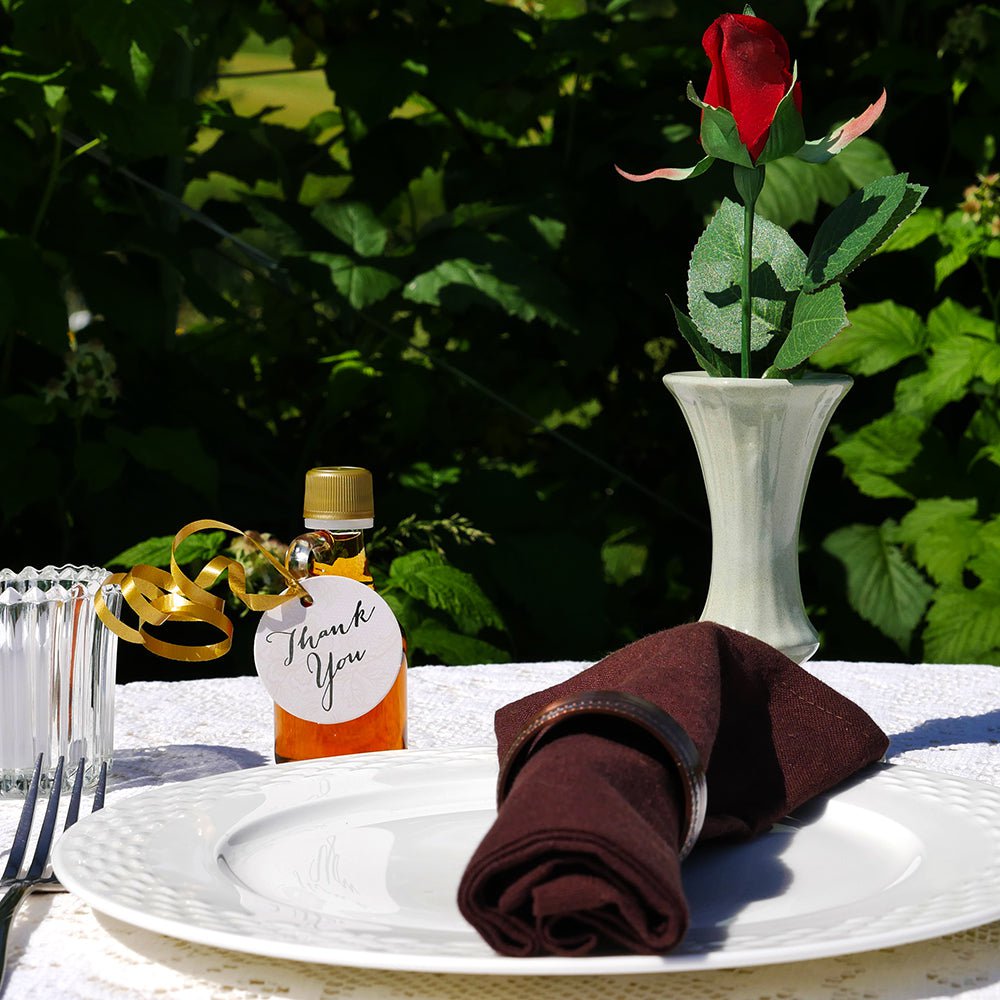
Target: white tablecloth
[[943, 718]]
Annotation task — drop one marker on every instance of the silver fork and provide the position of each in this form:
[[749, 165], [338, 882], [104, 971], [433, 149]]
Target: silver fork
[[19, 886]]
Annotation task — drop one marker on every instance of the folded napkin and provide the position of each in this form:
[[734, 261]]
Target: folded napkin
[[584, 853]]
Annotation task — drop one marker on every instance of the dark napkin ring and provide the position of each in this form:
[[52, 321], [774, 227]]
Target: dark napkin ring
[[649, 717]]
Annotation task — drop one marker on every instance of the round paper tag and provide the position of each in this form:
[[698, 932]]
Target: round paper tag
[[335, 660]]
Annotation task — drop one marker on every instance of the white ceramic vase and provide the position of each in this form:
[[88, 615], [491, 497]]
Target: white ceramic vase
[[756, 440]]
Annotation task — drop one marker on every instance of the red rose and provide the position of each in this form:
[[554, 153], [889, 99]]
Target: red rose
[[750, 75]]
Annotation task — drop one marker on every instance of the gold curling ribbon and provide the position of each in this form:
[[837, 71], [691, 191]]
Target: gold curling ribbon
[[157, 597]]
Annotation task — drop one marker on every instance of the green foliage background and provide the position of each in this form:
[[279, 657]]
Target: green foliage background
[[423, 262]]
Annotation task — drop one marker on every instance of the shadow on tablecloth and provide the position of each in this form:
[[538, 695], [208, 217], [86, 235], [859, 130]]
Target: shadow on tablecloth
[[178, 762], [960, 729]]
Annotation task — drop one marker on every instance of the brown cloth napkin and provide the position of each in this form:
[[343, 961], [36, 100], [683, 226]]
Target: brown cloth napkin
[[583, 855]]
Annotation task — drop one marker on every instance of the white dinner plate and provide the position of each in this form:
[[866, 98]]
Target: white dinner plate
[[356, 861]]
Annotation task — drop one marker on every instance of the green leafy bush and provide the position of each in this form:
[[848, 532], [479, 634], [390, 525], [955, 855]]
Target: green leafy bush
[[932, 573], [424, 263]]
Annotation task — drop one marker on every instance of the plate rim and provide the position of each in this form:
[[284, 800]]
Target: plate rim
[[494, 964]]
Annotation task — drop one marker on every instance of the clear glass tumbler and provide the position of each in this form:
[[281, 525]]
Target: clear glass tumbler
[[57, 672]]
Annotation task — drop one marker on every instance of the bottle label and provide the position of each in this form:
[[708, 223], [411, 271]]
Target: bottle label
[[334, 660]]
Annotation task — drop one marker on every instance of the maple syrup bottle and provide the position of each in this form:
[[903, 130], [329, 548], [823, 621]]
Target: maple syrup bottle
[[338, 509]]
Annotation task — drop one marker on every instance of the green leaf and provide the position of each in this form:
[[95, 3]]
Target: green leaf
[[142, 67], [879, 450], [198, 548], [552, 231], [716, 270], [963, 626], [426, 575], [816, 320], [950, 319], [462, 282], [913, 231], [624, 559], [857, 227], [864, 161], [951, 367], [453, 648], [355, 224], [947, 265], [880, 335], [793, 190], [882, 587], [713, 361], [989, 365], [944, 534], [361, 284], [986, 562]]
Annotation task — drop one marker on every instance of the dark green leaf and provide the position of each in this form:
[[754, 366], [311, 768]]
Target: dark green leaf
[[857, 227], [461, 282], [361, 284], [27, 409], [453, 648], [880, 450], [130, 36], [98, 465], [30, 297], [355, 224], [713, 361], [177, 451]]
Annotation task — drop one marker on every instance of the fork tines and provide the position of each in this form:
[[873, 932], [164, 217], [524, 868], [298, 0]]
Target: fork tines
[[44, 845]]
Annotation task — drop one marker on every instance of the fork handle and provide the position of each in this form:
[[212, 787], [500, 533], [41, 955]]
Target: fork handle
[[9, 906]]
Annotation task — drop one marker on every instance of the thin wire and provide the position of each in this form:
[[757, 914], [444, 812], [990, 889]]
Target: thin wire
[[267, 72], [277, 273]]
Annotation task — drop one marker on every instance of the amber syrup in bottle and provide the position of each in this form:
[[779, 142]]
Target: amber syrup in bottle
[[338, 509]]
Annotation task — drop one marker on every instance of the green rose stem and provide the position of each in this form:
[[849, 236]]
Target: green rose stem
[[749, 182]]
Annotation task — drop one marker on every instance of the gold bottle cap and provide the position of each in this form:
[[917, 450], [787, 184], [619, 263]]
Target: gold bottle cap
[[338, 496]]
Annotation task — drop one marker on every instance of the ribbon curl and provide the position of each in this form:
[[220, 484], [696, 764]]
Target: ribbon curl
[[157, 597]]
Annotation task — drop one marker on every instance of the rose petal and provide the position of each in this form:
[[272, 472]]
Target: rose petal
[[821, 150], [670, 173], [850, 130]]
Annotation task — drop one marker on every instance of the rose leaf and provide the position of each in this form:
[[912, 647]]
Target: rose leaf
[[716, 271], [816, 320], [858, 226]]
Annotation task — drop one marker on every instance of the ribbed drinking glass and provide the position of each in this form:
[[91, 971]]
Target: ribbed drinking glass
[[57, 672]]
